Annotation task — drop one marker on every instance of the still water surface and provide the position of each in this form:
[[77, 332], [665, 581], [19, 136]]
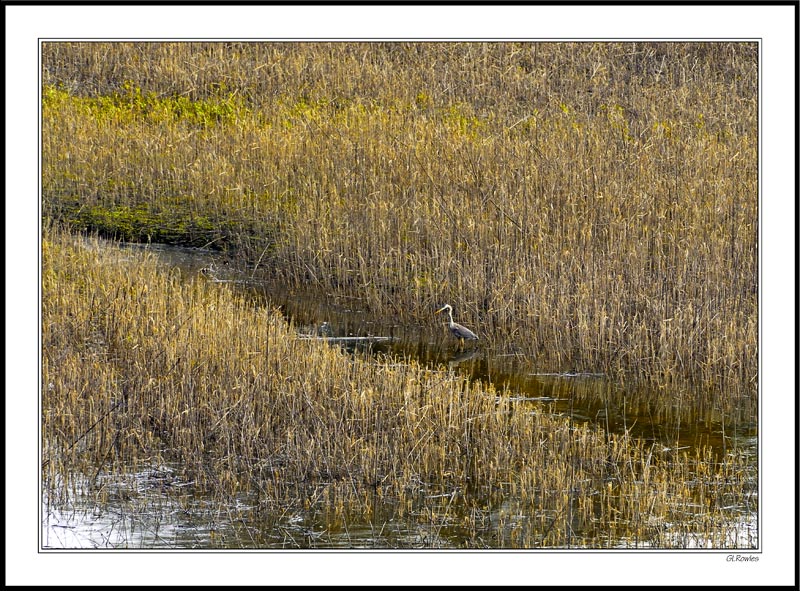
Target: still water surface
[[155, 509]]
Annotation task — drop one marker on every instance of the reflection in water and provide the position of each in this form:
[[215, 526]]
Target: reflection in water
[[583, 396], [462, 357], [174, 515], [684, 420]]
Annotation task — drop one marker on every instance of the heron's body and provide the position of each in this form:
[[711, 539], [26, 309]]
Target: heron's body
[[462, 333]]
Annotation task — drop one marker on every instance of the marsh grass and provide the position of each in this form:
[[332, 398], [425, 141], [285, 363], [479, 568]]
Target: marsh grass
[[143, 368], [593, 205]]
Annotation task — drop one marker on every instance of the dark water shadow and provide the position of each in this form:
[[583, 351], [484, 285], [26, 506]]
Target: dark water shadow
[[155, 508], [582, 396]]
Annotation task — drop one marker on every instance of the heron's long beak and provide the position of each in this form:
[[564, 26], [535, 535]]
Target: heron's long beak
[[441, 310]]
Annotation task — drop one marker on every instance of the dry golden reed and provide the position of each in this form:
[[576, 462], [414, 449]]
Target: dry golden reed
[[142, 367], [591, 205]]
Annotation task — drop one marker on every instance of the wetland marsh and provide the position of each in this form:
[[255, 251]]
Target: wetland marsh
[[589, 209]]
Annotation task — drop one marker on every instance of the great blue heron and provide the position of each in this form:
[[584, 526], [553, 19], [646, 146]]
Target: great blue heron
[[209, 271], [462, 333]]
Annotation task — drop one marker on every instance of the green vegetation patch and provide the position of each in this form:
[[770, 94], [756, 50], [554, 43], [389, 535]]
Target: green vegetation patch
[[131, 104], [140, 224], [179, 226]]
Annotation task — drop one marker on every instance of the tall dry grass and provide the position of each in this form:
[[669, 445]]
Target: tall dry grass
[[592, 205], [143, 368]]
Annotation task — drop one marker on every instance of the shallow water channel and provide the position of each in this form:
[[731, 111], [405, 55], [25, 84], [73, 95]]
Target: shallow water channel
[[151, 509]]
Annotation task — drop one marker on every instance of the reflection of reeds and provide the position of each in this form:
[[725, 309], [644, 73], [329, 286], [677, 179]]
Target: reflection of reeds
[[141, 368], [593, 203]]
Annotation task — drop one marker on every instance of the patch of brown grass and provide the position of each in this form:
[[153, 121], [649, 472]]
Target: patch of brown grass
[[142, 368]]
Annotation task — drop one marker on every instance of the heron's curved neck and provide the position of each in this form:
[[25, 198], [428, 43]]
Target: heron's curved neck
[[450, 313]]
